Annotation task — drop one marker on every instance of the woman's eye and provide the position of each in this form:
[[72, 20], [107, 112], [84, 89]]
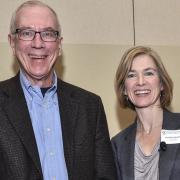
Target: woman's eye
[[149, 73], [131, 75]]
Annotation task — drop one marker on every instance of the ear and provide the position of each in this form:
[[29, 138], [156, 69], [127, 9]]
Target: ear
[[162, 87], [11, 39], [125, 92], [60, 45]]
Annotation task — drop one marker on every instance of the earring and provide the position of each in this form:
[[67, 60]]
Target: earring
[[127, 99]]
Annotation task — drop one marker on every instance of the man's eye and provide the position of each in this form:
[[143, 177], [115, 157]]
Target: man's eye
[[48, 34], [27, 33]]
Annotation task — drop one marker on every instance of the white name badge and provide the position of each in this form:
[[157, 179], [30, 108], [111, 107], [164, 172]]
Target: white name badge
[[170, 136]]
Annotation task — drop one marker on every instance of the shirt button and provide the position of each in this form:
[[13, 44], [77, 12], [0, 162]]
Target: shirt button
[[45, 104], [48, 129], [51, 153]]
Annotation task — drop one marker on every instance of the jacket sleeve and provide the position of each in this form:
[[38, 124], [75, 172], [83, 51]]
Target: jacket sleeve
[[104, 161], [116, 160]]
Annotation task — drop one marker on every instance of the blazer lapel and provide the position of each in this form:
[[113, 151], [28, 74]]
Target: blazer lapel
[[128, 155], [68, 110], [167, 158], [16, 109]]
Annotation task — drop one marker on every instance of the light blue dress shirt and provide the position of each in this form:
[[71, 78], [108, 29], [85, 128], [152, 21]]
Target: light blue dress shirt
[[46, 122]]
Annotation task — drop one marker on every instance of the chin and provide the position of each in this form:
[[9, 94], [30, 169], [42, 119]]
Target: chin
[[141, 107], [147, 105], [38, 75]]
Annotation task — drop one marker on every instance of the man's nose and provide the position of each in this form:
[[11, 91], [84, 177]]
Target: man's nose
[[37, 42]]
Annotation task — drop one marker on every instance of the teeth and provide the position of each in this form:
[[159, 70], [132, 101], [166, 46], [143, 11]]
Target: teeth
[[142, 92], [35, 56]]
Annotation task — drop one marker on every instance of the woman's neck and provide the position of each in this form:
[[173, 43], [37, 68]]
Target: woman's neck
[[149, 119]]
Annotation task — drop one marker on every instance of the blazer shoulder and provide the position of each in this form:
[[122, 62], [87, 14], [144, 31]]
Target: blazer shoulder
[[75, 91], [4, 83], [170, 113], [124, 133], [10, 86], [171, 120], [9, 82]]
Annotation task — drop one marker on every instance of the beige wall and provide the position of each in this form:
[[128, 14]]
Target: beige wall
[[96, 33]]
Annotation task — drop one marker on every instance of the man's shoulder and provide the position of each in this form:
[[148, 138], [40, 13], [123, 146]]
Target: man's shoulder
[[75, 91], [8, 82], [6, 87], [10, 85]]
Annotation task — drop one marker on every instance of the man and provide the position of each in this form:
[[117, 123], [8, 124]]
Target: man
[[49, 129]]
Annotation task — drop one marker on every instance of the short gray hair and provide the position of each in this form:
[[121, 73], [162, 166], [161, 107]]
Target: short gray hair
[[31, 3]]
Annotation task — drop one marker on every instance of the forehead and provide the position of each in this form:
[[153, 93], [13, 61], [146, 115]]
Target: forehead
[[36, 17], [143, 62]]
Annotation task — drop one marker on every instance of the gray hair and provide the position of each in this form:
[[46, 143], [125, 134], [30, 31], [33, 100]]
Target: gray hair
[[31, 3]]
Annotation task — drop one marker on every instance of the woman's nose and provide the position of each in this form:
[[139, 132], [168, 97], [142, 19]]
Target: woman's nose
[[141, 80]]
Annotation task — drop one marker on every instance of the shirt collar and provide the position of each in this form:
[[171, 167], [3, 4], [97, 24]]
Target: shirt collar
[[26, 85]]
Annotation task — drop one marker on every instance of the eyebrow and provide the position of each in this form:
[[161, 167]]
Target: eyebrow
[[147, 69]]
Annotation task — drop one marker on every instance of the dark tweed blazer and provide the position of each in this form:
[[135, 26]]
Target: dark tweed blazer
[[87, 147], [124, 145]]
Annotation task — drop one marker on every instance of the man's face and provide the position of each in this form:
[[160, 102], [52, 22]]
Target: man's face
[[36, 57]]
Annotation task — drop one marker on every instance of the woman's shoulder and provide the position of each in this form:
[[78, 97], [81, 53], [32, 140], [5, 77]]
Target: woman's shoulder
[[124, 133], [171, 115], [171, 120]]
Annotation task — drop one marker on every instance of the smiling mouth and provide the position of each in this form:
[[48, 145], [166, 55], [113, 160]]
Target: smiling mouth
[[142, 92], [36, 56]]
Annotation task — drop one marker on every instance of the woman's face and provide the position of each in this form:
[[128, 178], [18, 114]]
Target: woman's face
[[142, 84]]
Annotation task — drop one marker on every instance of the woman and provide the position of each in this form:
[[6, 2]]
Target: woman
[[143, 84]]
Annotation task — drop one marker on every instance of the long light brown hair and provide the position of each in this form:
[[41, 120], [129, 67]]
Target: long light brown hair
[[125, 66]]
